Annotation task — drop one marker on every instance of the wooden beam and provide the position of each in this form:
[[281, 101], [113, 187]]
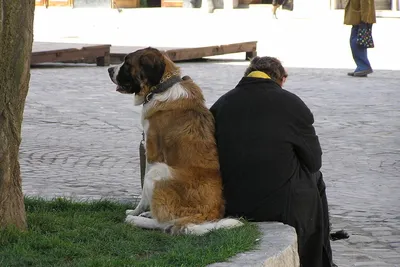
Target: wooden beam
[[200, 52], [102, 52], [59, 3], [39, 2], [250, 55], [171, 3], [102, 56], [181, 54], [104, 60], [117, 58], [125, 3]]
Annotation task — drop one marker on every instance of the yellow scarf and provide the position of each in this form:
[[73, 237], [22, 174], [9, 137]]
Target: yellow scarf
[[258, 74]]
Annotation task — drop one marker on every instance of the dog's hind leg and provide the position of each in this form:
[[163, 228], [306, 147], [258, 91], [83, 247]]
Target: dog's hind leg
[[156, 172]]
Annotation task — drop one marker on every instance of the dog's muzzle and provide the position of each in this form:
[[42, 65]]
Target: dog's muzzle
[[111, 72]]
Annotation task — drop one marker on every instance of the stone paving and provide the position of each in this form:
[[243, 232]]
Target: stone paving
[[80, 139]]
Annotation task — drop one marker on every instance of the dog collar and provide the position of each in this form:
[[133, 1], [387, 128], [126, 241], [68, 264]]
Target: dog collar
[[161, 87]]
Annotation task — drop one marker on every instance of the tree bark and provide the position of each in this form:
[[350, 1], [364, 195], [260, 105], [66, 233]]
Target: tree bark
[[16, 37]]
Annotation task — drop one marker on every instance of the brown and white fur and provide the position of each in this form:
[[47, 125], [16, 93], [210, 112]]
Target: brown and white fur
[[182, 185]]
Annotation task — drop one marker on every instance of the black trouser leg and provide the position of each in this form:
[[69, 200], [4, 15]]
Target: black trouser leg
[[322, 192]]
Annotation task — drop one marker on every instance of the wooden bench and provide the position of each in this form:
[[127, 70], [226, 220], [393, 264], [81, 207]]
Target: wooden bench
[[104, 55], [191, 53], [99, 54], [250, 48]]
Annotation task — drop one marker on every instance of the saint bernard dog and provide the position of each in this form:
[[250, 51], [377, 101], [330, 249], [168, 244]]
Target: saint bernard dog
[[182, 184]]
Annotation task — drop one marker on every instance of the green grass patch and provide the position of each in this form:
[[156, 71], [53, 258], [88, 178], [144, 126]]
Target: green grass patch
[[66, 233]]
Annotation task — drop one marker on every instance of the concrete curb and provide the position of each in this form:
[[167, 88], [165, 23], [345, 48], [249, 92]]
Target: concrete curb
[[277, 248]]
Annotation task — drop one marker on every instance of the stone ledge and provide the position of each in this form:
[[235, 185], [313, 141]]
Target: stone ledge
[[277, 248]]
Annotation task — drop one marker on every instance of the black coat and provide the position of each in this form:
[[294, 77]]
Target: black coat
[[268, 149]]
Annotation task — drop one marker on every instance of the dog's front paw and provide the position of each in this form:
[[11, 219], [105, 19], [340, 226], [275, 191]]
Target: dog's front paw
[[134, 212], [146, 214]]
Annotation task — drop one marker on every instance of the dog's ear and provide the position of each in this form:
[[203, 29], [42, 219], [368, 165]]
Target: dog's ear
[[152, 65]]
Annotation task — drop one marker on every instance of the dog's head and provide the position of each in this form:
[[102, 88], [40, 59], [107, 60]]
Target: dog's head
[[140, 71]]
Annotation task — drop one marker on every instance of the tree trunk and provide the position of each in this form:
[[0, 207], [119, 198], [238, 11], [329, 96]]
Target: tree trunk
[[16, 36]]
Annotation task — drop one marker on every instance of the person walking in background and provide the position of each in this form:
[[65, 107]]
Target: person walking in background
[[275, 5], [361, 15]]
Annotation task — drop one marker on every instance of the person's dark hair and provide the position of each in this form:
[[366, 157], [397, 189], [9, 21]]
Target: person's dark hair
[[269, 65]]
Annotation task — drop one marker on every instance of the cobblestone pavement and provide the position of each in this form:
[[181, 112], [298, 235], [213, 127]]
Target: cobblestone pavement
[[80, 139]]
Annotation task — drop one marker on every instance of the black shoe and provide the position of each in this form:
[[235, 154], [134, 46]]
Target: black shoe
[[338, 235], [353, 74], [362, 73]]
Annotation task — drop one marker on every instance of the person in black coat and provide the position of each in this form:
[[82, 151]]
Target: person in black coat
[[270, 158]]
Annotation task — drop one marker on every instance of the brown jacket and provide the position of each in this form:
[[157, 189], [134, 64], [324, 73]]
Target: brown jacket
[[359, 10]]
